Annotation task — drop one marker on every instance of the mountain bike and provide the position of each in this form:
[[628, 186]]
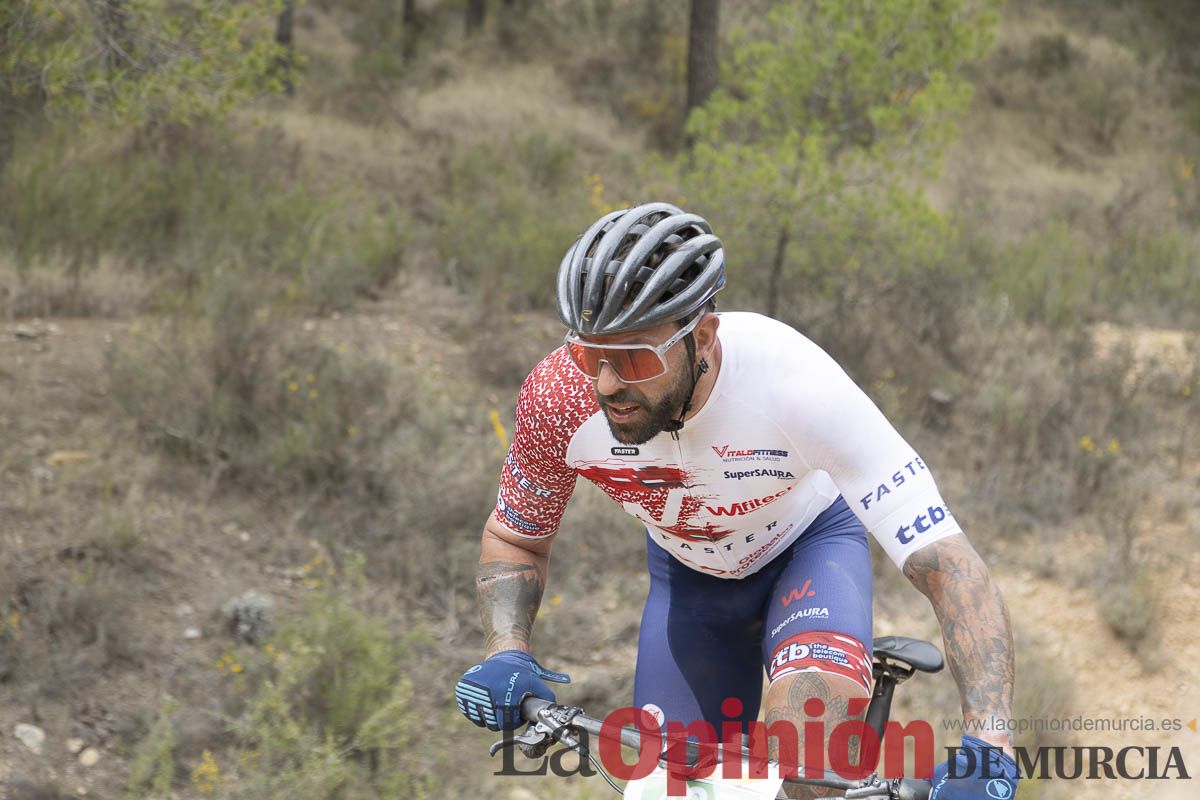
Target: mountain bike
[[895, 660]]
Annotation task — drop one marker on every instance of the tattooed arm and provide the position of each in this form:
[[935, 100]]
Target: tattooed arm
[[509, 583], [975, 628]]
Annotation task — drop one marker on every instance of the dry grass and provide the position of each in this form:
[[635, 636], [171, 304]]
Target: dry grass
[[47, 290], [1071, 120]]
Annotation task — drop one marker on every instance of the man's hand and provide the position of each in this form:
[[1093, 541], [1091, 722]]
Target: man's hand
[[982, 772], [490, 694]]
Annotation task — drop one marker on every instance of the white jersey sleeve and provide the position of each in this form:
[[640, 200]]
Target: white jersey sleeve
[[840, 431]]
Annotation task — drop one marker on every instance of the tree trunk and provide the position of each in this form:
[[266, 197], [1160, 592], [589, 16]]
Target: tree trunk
[[650, 34], [284, 30], [511, 23], [113, 18], [412, 30], [702, 52], [775, 280], [476, 12]]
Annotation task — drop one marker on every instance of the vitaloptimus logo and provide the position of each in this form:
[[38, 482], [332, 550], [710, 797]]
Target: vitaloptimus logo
[[726, 454], [898, 479], [923, 523], [746, 506]]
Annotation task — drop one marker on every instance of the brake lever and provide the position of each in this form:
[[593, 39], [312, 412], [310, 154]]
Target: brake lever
[[537, 738], [533, 741], [873, 786]]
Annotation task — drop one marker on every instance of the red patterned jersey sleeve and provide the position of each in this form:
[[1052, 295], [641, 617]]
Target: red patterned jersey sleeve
[[535, 481]]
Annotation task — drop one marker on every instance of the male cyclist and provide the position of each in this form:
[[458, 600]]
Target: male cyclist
[[757, 467]]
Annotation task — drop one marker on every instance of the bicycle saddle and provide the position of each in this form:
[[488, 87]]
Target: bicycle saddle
[[916, 653]]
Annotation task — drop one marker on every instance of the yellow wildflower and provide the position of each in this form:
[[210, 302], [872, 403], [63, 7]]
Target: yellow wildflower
[[207, 774]]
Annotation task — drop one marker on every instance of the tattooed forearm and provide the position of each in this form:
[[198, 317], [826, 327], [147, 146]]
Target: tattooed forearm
[[509, 594], [975, 625]]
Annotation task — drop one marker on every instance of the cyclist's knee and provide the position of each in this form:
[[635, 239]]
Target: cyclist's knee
[[796, 701], [810, 696]]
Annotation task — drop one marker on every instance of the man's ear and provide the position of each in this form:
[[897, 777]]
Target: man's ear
[[706, 335]]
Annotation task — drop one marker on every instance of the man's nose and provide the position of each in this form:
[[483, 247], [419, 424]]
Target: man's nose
[[608, 382]]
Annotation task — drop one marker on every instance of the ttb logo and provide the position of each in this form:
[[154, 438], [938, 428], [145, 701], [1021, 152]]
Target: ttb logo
[[923, 523]]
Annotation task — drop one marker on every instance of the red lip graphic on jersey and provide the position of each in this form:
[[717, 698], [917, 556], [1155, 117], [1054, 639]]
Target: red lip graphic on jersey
[[647, 478], [709, 533]]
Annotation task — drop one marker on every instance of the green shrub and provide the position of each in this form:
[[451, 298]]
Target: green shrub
[[147, 63], [380, 452], [152, 770], [1060, 276], [1152, 276], [257, 404], [76, 618], [46, 288], [1048, 277], [187, 208], [334, 709], [511, 210], [1131, 602], [803, 155]]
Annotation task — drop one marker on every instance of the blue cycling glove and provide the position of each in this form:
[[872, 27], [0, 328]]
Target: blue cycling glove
[[972, 782], [490, 694]]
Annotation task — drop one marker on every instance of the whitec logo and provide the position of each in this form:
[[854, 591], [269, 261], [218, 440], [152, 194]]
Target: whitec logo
[[746, 506]]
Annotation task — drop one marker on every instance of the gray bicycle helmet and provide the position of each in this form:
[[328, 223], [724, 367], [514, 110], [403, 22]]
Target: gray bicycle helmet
[[637, 268]]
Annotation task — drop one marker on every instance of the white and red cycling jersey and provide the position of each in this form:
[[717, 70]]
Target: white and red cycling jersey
[[782, 435]]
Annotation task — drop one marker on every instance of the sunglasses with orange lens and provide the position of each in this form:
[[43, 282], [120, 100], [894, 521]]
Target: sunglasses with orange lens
[[632, 363]]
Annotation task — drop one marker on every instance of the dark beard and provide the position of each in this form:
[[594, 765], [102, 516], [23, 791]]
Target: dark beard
[[654, 419]]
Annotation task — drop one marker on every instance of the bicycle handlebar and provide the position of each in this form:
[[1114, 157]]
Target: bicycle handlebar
[[556, 719]]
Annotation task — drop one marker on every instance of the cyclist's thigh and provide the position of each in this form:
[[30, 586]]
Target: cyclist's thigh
[[818, 617], [699, 642]]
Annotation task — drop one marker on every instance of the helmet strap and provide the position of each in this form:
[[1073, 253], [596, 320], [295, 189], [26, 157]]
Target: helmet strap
[[676, 425]]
